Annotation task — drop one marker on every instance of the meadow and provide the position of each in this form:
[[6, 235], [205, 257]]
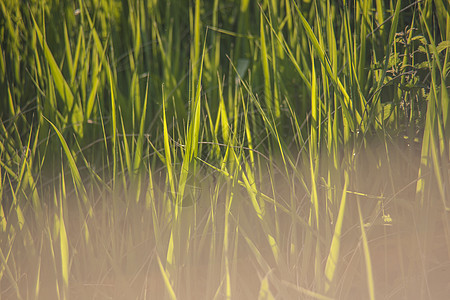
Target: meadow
[[293, 149]]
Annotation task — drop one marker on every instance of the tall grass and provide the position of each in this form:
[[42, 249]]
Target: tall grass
[[224, 149]]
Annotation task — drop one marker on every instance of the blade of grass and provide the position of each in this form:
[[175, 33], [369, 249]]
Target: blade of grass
[[16, 206], [113, 128], [191, 138], [61, 84], [167, 150], [126, 149], [64, 244], [264, 290], [6, 267], [73, 168], [265, 66], [333, 256], [166, 279], [140, 140], [305, 291], [367, 259], [392, 32], [347, 103]]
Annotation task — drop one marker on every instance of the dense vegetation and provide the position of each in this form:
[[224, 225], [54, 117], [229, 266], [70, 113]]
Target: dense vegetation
[[224, 149]]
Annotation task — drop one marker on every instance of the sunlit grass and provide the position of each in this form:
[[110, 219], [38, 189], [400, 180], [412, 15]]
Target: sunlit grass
[[224, 150]]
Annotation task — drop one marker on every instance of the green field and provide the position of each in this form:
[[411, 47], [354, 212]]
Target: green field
[[188, 149]]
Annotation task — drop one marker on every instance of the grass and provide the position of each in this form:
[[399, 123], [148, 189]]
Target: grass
[[224, 149]]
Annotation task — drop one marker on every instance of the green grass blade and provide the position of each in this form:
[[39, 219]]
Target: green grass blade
[[367, 259], [333, 256], [16, 207], [68, 50], [264, 290], [265, 66], [5, 265], [61, 84], [192, 137], [63, 241], [347, 104], [392, 33], [306, 292], [291, 56], [113, 127], [167, 154], [167, 283], [72, 166], [140, 139], [126, 149]]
